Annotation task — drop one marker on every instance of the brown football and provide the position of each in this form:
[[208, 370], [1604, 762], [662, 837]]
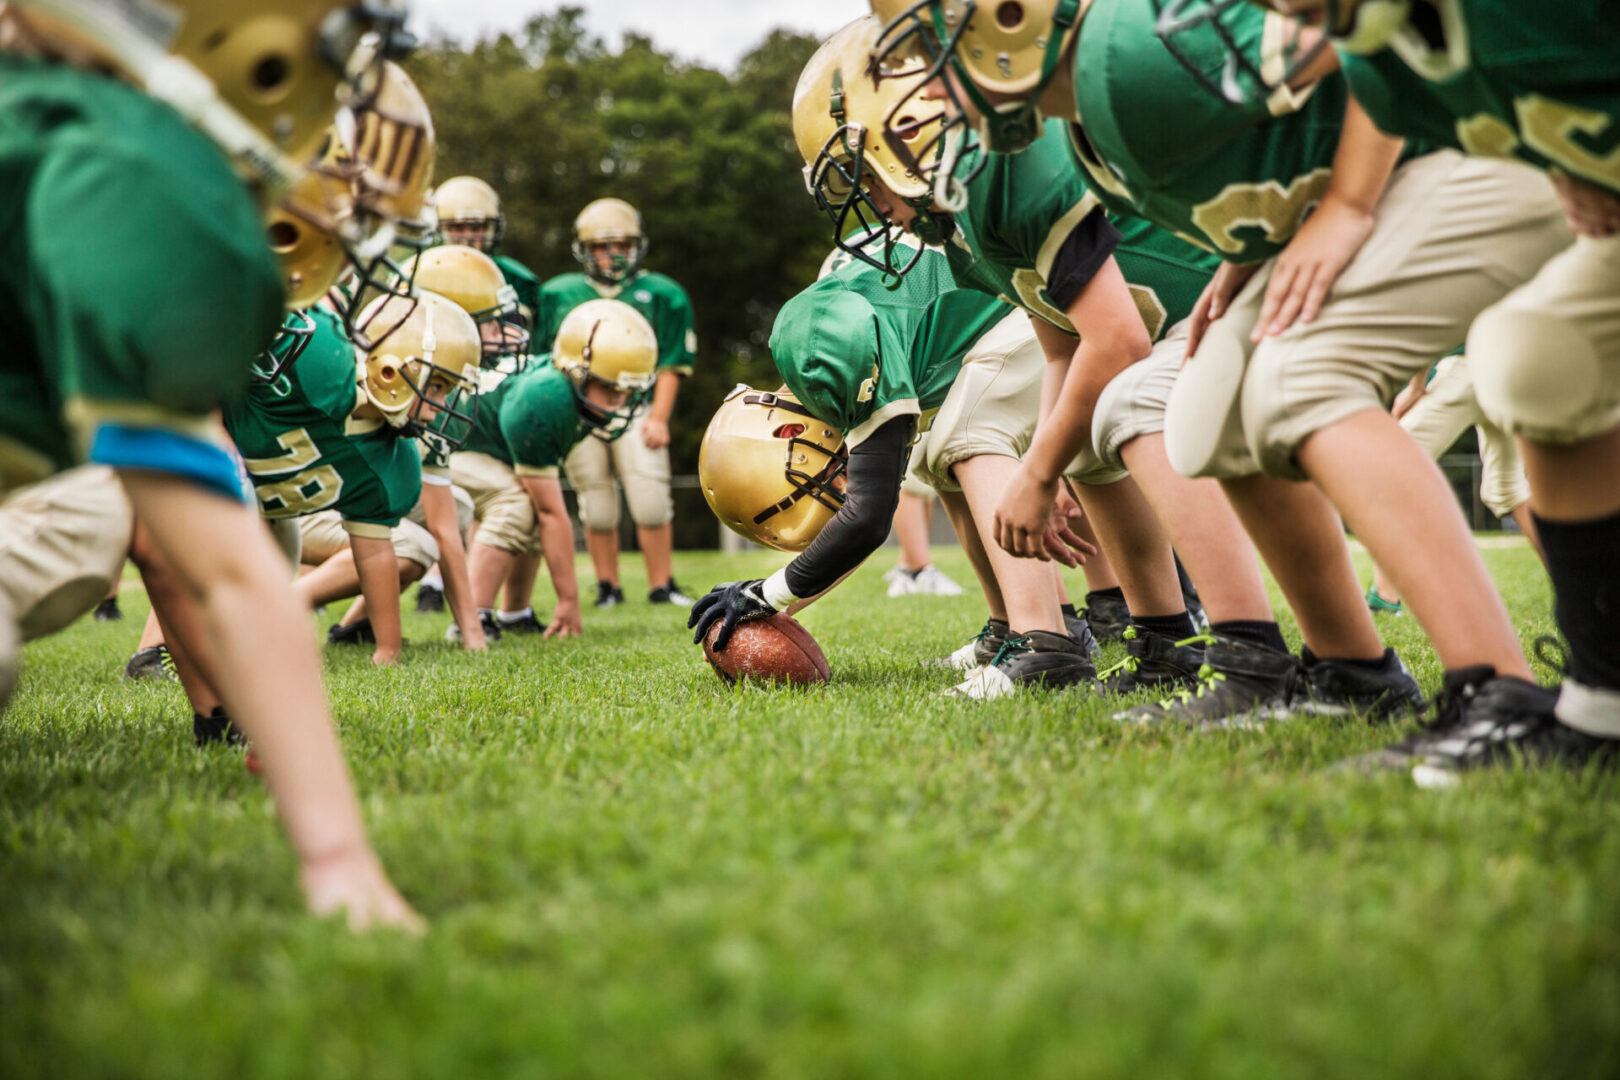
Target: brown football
[[774, 649]]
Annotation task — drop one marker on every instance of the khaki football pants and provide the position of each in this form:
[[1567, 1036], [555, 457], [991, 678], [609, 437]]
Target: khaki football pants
[[1445, 411], [325, 534], [504, 510], [1453, 236], [644, 474]]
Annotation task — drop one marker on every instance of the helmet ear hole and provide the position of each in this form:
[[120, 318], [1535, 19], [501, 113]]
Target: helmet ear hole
[[789, 431], [283, 235], [1010, 15], [270, 73]]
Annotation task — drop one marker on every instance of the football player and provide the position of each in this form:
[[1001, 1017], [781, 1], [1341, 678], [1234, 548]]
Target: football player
[[874, 359], [1401, 247], [1015, 228], [140, 308], [609, 244], [1538, 83], [600, 367], [470, 214]]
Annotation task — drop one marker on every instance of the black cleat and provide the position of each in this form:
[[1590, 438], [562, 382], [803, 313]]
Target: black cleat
[[1337, 688], [356, 633], [1039, 659], [109, 611], [429, 600], [1154, 662], [528, 624], [1240, 684], [216, 727], [1081, 634], [668, 594], [152, 663], [608, 594], [1108, 616]]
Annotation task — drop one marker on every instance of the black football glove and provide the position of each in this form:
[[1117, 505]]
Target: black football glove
[[734, 602]]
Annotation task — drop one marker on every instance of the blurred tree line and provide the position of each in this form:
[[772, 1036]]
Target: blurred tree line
[[553, 119]]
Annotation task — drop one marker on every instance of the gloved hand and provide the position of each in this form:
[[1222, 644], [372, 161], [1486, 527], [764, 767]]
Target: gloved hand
[[733, 602]]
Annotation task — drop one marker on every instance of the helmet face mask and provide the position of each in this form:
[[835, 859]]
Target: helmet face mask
[[285, 348], [470, 214], [770, 470], [935, 30], [1181, 22]]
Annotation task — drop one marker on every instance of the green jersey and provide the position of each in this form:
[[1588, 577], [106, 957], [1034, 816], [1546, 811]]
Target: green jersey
[[1021, 210], [858, 354], [136, 287], [306, 453], [1237, 180], [657, 297], [529, 420], [1538, 82], [527, 285]]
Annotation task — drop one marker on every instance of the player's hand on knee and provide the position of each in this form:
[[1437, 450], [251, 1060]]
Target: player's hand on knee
[[1310, 264], [1226, 283], [1062, 542], [1022, 518], [728, 604], [654, 433], [1590, 210]]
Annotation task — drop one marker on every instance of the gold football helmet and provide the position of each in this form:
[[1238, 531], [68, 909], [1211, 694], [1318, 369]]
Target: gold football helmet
[[770, 470], [470, 213], [857, 125], [263, 80], [1004, 47], [609, 221], [611, 343], [425, 375], [471, 278]]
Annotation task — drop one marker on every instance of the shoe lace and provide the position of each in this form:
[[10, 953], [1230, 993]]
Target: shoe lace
[[166, 661], [1208, 680], [1010, 648], [1128, 663]]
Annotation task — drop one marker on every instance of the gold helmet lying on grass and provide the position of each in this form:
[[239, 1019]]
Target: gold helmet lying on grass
[[770, 470], [610, 343]]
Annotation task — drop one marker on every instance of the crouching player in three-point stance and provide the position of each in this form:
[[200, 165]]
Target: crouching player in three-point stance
[[591, 384], [136, 292]]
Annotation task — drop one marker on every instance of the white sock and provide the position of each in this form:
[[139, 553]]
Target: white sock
[[515, 616], [1592, 710], [433, 580]]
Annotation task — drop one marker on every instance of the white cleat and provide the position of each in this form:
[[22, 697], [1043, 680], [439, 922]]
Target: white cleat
[[963, 659], [900, 582], [985, 684], [932, 581]]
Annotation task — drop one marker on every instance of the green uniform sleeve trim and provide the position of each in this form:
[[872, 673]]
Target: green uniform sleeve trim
[[1060, 232], [550, 472], [903, 407], [367, 528]]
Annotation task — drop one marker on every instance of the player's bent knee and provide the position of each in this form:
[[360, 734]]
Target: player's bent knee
[[599, 509], [1538, 376]]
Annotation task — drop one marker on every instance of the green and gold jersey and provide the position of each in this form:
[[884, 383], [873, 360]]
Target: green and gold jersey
[[1236, 180], [529, 420], [1536, 81], [659, 298], [305, 453], [527, 286], [858, 354], [136, 288], [1022, 207]]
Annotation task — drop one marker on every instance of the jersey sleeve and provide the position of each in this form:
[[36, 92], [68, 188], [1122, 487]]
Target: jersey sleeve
[[394, 486], [677, 341], [549, 309], [539, 425]]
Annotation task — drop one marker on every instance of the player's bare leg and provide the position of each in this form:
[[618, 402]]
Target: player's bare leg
[[911, 530], [1300, 537], [1398, 504], [1204, 531], [657, 551], [488, 569], [603, 546], [1028, 592], [1129, 533], [519, 592], [967, 534]]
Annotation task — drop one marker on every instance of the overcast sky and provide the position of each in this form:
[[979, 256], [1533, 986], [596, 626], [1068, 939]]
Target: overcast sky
[[717, 32]]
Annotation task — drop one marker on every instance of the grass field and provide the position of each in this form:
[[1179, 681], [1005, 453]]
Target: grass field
[[632, 871]]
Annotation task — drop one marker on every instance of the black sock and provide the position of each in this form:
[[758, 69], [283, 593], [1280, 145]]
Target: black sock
[[1175, 627], [1068, 611], [1116, 593], [1581, 560], [1253, 631]]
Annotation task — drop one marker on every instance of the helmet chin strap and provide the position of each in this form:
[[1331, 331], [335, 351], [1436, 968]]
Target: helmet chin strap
[[950, 194]]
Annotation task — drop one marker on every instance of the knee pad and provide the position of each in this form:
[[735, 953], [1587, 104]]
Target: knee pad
[[1203, 423], [1536, 375], [61, 603], [651, 505], [415, 544], [599, 507]]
